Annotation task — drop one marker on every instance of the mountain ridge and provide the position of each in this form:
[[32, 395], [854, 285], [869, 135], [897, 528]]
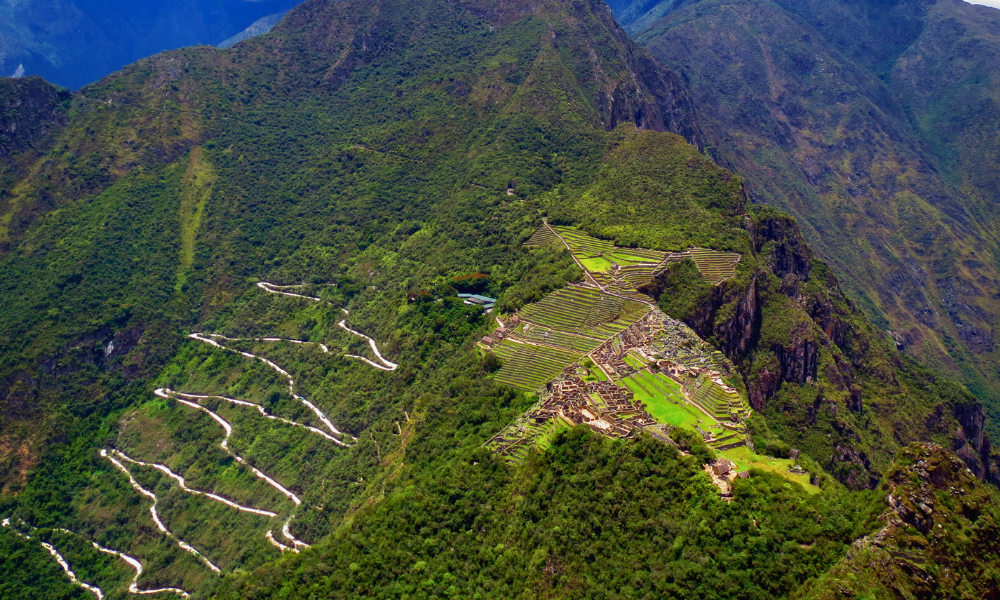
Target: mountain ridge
[[285, 234]]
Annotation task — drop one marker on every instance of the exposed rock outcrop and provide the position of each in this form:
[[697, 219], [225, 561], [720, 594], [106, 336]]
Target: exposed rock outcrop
[[32, 112], [971, 443], [933, 506]]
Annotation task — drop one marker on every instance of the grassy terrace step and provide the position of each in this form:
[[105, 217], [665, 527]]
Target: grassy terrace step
[[711, 399], [715, 265], [586, 311], [633, 362], [560, 310], [709, 396], [640, 254], [629, 294], [647, 378], [604, 330], [636, 281], [529, 367], [585, 248], [632, 311], [605, 309], [639, 387], [635, 276], [659, 384], [543, 237], [669, 384], [671, 258], [728, 440], [579, 240], [559, 338], [603, 278], [646, 268]]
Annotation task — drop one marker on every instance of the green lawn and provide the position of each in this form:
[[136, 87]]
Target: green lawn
[[671, 410], [673, 413], [746, 459], [634, 362], [641, 395], [597, 264], [662, 385], [668, 383]]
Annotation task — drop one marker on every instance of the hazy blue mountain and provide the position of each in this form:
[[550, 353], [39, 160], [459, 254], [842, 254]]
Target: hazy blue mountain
[[76, 42]]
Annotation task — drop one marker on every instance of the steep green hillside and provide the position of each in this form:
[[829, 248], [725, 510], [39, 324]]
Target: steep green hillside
[[234, 363], [870, 122]]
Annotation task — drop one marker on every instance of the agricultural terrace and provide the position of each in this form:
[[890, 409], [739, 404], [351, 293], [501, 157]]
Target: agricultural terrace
[[530, 366], [715, 265], [527, 431], [556, 332], [543, 237], [584, 311], [601, 354], [625, 269]]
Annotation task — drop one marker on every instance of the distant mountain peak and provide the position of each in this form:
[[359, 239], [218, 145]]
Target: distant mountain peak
[[259, 27]]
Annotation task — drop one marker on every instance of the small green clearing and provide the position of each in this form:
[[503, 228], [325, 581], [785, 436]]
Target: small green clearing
[[597, 374], [745, 459], [597, 264]]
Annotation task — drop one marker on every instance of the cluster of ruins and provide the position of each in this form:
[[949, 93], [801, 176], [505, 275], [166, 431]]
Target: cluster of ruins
[[658, 343], [723, 473], [500, 332], [602, 405], [607, 408], [655, 342]]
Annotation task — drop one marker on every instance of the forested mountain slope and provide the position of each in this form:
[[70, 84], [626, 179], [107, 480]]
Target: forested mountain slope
[[874, 124], [234, 363]]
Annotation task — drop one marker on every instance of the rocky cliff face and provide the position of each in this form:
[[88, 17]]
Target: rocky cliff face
[[819, 370], [935, 506]]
